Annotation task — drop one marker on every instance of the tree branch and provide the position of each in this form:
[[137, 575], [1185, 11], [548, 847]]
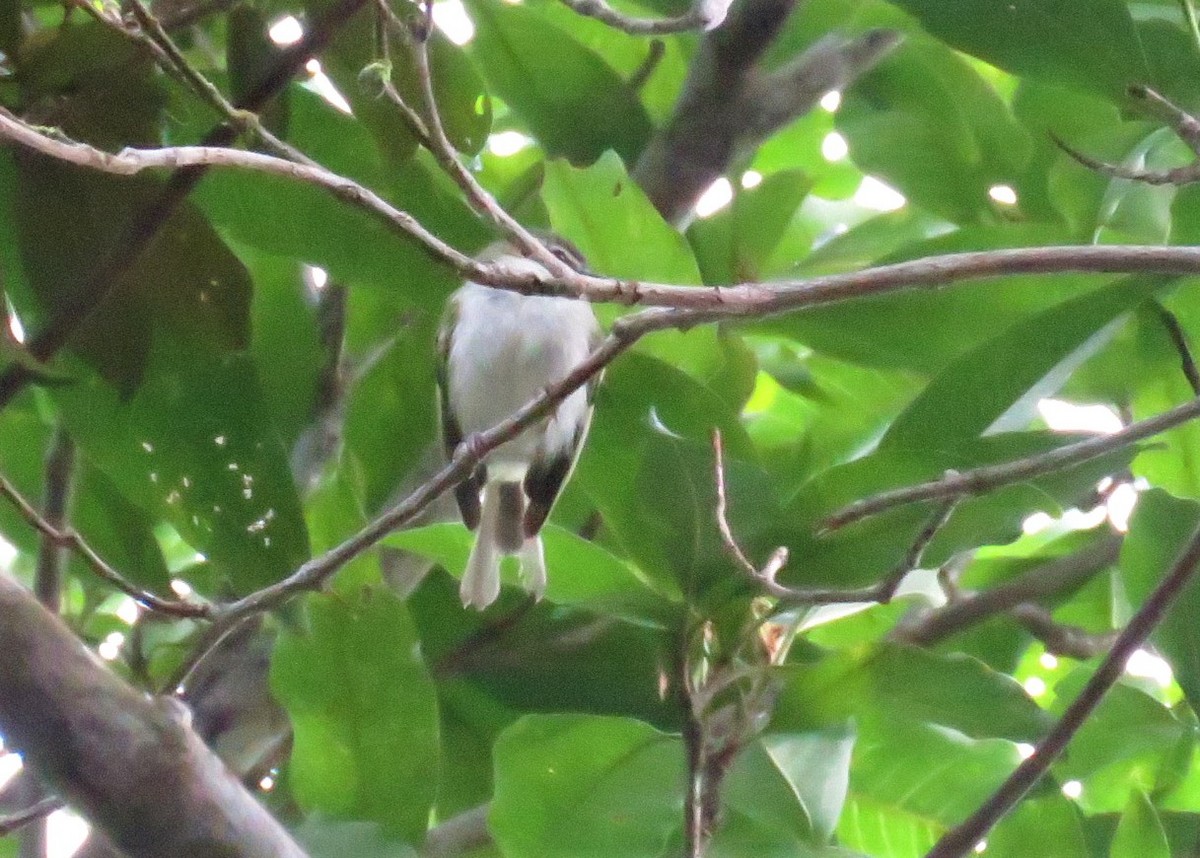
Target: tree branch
[[68, 537], [703, 15], [432, 135], [39, 810], [1050, 580], [127, 762], [961, 839], [730, 104], [980, 480], [697, 305], [881, 591], [60, 476]]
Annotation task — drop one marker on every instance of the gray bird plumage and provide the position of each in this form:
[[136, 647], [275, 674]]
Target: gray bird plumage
[[498, 351]]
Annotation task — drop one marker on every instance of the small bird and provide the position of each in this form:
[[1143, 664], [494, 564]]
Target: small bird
[[498, 350]]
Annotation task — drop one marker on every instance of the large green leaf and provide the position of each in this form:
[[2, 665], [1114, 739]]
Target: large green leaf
[[926, 98], [1004, 378], [909, 782], [1092, 47], [295, 220], [1041, 820], [363, 712], [1121, 747], [582, 573], [583, 785], [954, 691], [547, 78]]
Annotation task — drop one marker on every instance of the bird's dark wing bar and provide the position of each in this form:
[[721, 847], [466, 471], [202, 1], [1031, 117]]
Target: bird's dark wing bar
[[467, 492]]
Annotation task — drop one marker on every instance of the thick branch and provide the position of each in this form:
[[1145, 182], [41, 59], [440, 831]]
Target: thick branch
[[730, 104], [961, 840], [980, 480], [698, 143], [127, 762]]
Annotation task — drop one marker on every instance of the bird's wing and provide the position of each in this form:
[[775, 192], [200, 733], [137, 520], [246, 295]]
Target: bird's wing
[[467, 492]]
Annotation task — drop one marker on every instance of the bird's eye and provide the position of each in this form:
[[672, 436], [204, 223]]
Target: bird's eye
[[564, 255]]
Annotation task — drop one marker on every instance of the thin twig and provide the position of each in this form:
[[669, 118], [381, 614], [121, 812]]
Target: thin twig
[[1185, 124], [38, 810], [1047, 581], [642, 73], [67, 537], [1175, 176], [59, 480], [1059, 638], [1179, 340], [693, 19], [171, 58], [978, 481], [432, 134], [960, 840], [765, 578]]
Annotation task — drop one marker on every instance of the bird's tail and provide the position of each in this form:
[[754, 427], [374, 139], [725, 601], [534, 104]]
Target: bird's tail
[[500, 533]]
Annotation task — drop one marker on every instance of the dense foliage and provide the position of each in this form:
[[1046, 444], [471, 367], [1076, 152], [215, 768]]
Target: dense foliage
[[233, 413]]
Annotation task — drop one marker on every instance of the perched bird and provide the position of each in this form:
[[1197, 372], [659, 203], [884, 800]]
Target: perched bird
[[498, 351]]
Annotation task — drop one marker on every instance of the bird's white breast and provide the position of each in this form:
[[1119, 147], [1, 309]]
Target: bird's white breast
[[504, 350]]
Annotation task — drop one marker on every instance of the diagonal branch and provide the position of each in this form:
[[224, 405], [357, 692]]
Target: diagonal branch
[[68, 537], [129, 763], [980, 480], [1045, 582], [961, 840]]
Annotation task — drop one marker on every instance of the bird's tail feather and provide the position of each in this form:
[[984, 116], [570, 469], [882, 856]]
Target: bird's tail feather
[[533, 567], [500, 533], [481, 581]]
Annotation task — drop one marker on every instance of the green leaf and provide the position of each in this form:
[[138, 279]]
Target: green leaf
[[909, 782], [1120, 748], [285, 342], [291, 219], [1169, 460], [609, 217], [1159, 529], [1035, 822], [194, 446], [1140, 833], [547, 78], [463, 106], [735, 245], [363, 711], [878, 331], [954, 691], [926, 98], [584, 785], [1003, 379], [1094, 47], [581, 573]]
